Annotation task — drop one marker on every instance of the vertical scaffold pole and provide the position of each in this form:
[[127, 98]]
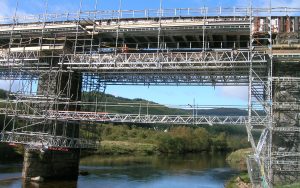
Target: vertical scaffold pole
[[270, 94], [118, 27], [15, 22], [203, 28], [249, 124], [159, 27]]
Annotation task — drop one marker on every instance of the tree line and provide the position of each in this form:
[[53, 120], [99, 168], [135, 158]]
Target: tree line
[[178, 139]]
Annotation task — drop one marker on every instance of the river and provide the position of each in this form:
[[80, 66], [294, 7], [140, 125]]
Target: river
[[191, 171]]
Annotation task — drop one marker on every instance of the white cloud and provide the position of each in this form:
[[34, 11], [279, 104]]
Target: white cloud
[[234, 92]]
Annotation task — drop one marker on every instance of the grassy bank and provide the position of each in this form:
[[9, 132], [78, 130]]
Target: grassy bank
[[237, 159], [127, 140], [126, 148], [240, 181], [171, 140], [243, 181], [124, 140]]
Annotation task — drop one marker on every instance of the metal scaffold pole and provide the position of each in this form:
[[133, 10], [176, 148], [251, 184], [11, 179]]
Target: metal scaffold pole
[[270, 100]]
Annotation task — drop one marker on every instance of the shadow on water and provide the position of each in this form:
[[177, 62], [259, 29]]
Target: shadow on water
[[195, 170]]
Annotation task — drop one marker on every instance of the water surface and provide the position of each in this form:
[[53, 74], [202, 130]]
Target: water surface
[[191, 171]]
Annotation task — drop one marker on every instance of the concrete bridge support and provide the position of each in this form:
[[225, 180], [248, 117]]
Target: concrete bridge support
[[50, 162]]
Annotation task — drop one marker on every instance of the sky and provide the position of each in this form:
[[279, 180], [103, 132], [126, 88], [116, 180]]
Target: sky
[[38, 6], [177, 95]]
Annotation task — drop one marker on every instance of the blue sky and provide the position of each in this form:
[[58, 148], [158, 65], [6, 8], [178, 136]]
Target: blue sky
[[38, 6], [183, 95], [164, 95]]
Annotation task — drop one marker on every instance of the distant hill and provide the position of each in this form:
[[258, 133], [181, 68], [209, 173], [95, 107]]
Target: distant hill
[[224, 112], [115, 104], [136, 106]]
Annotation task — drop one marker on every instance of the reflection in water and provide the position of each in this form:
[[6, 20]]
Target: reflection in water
[[70, 184], [10, 175], [144, 168], [197, 170]]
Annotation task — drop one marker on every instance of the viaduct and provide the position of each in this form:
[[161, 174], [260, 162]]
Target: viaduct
[[53, 60]]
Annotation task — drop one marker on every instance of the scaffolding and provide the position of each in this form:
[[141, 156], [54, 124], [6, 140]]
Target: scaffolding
[[59, 66]]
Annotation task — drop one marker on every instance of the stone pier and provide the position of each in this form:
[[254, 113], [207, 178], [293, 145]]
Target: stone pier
[[56, 163]]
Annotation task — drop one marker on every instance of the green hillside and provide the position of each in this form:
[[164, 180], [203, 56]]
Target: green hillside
[[114, 104]]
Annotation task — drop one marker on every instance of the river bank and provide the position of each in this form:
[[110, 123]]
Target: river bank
[[179, 140], [106, 148], [124, 140], [237, 160]]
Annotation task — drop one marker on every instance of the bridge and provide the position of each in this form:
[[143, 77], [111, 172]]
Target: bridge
[[54, 60]]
